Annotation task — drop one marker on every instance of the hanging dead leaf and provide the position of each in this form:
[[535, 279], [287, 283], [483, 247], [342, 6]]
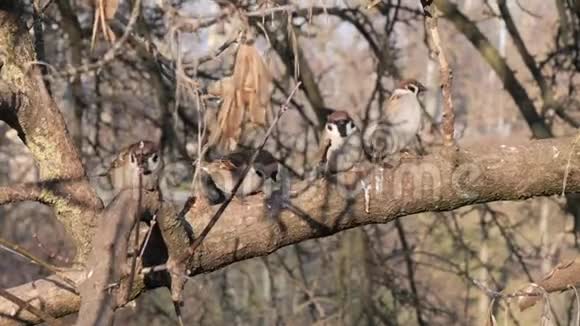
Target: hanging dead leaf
[[227, 129], [104, 10], [246, 98], [253, 80]]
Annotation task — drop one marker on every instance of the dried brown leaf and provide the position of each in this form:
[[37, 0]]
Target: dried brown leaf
[[253, 79], [111, 7], [246, 97]]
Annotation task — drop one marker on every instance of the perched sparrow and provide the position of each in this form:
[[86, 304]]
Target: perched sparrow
[[139, 160], [424, 7], [399, 125], [219, 177], [341, 147]]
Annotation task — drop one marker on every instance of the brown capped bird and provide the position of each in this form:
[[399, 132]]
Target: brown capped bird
[[219, 177], [424, 7], [139, 160], [399, 125], [341, 146]]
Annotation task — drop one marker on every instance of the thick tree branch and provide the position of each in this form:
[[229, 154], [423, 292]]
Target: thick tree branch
[[34, 114], [563, 277], [18, 193], [435, 183], [107, 267], [259, 226], [521, 47], [51, 294]]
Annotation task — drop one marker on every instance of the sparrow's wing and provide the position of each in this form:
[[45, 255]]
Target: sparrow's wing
[[212, 192], [224, 164], [238, 159], [399, 111]]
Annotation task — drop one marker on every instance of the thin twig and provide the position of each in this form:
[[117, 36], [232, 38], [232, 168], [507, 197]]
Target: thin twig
[[50, 254], [577, 304], [228, 200], [410, 271], [148, 236], [23, 253], [41, 12], [113, 51]]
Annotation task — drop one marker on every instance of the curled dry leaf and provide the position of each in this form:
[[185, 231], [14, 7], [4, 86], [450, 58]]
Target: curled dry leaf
[[104, 11], [246, 97]]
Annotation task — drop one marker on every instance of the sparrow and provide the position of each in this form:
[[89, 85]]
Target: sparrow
[[399, 125], [141, 160], [341, 146], [424, 7], [219, 177]]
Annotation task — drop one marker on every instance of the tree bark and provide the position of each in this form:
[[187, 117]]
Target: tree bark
[[26, 105], [259, 226]]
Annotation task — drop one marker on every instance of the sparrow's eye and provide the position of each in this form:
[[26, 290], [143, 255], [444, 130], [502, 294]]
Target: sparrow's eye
[[155, 158], [351, 125], [132, 158], [329, 127]]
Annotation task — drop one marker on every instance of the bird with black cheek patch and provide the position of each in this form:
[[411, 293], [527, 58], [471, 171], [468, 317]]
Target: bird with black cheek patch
[[341, 146], [424, 7], [400, 123], [141, 160], [218, 177]]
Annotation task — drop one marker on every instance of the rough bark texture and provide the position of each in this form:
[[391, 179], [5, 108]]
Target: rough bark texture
[[563, 277], [257, 227], [27, 107], [436, 183], [106, 261]]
